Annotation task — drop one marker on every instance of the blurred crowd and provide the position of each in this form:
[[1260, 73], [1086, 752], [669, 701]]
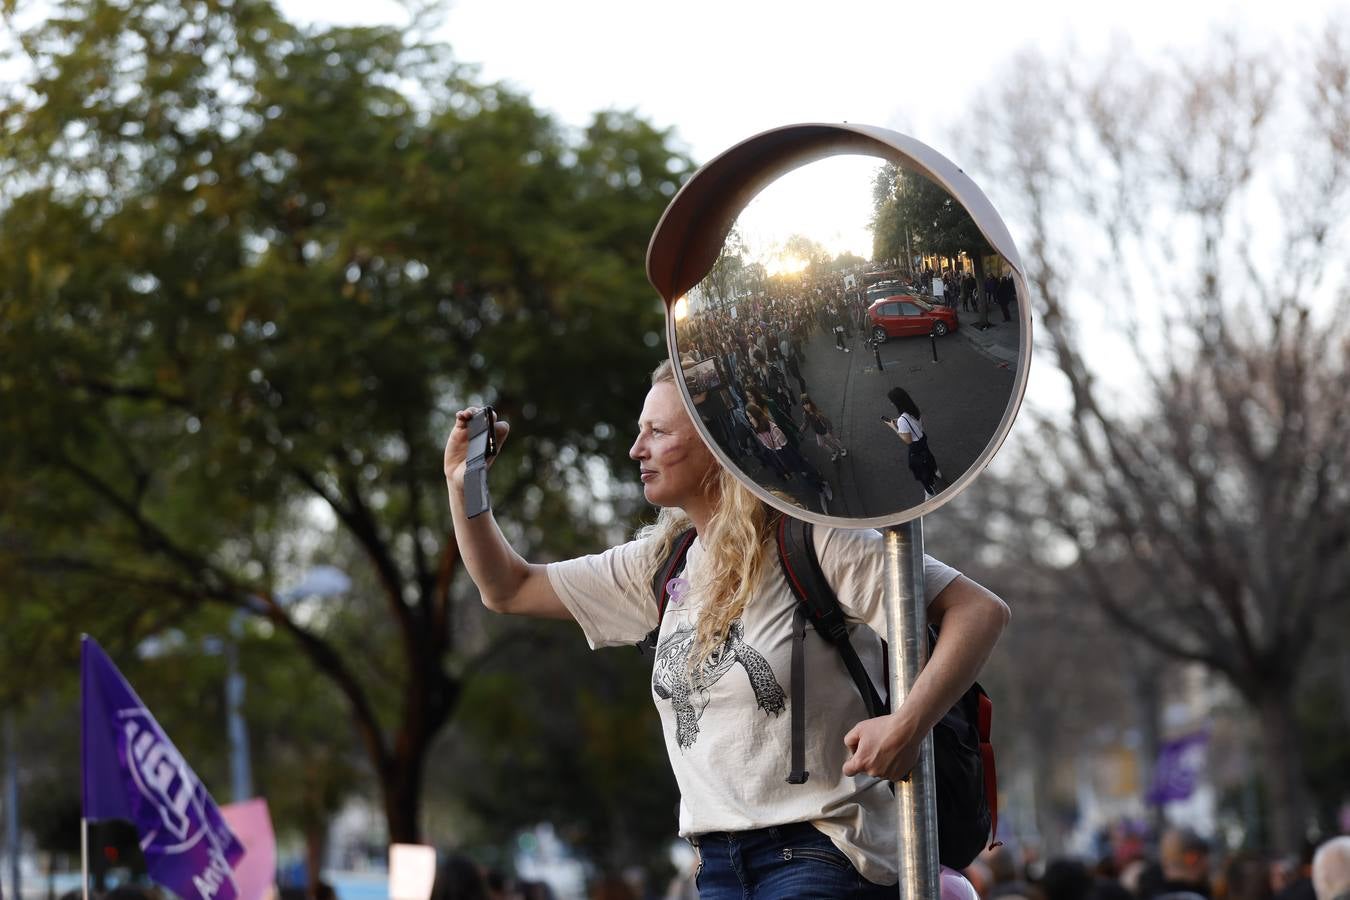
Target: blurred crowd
[[460, 878], [1185, 867]]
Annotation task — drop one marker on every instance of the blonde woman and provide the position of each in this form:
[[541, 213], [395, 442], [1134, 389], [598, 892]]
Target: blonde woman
[[721, 674]]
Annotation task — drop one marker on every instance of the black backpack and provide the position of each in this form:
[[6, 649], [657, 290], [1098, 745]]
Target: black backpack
[[967, 787]]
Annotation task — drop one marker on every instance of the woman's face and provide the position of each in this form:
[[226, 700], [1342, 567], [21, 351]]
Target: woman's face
[[673, 461]]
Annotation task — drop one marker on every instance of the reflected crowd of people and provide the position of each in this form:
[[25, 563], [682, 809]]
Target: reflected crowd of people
[[745, 364], [758, 405], [961, 290]]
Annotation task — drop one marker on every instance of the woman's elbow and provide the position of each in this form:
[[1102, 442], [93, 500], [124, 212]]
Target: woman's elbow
[[496, 600], [976, 601], [996, 612], [508, 591], [1000, 612]]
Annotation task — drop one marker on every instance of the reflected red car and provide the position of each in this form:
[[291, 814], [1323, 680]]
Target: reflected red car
[[906, 315]]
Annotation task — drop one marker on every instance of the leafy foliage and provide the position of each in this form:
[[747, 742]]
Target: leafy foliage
[[247, 272], [585, 752]]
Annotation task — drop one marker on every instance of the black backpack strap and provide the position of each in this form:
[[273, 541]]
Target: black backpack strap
[[801, 568], [798, 774], [679, 549]]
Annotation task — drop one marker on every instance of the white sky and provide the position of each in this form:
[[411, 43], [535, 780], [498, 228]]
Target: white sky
[[829, 201], [721, 71]]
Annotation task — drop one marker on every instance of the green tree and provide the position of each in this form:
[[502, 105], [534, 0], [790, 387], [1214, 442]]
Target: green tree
[[582, 754], [247, 272], [298, 730]]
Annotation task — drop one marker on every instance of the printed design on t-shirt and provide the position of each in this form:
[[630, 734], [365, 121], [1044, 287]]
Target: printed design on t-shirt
[[689, 692]]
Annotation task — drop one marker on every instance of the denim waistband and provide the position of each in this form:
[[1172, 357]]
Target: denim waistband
[[769, 832]]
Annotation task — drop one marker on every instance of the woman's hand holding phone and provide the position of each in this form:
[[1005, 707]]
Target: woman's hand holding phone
[[457, 444]]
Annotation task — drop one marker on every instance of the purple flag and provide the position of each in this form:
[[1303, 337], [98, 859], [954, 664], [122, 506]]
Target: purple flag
[[133, 771], [1180, 762]]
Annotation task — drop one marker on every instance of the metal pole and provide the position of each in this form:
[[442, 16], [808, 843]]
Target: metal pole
[[84, 857], [907, 633], [241, 771]]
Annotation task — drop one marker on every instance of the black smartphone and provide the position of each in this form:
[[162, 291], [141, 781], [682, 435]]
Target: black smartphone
[[482, 447]]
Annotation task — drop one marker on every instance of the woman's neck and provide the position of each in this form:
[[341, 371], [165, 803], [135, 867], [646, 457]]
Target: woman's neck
[[700, 512], [699, 516]]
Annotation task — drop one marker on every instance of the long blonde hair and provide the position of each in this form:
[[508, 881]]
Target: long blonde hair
[[734, 547]]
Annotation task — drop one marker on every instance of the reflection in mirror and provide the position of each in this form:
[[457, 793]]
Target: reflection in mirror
[[853, 348]]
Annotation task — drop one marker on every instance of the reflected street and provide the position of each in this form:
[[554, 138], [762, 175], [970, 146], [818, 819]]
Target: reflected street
[[967, 384]]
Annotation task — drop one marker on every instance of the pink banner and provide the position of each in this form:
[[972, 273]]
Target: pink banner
[[256, 873]]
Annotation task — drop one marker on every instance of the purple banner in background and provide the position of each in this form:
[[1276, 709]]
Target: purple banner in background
[[133, 771], [1180, 762]]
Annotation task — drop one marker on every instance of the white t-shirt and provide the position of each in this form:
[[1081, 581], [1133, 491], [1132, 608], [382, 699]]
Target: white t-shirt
[[729, 736], [909, 425]]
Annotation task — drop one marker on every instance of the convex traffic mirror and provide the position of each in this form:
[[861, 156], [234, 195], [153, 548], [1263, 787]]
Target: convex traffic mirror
[[850, 317]]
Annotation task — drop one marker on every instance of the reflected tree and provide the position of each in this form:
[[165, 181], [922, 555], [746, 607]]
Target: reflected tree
[[912, 214], [728, 276], [808, 251]]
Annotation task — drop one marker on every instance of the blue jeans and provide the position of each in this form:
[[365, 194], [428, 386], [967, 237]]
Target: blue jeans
[[784, 862]]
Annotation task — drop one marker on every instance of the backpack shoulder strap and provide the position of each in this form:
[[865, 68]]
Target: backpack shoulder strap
[[674, 562], [801, 568], [816, 601]]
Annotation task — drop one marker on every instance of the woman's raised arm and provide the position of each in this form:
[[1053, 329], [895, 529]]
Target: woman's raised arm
[[507, 583]]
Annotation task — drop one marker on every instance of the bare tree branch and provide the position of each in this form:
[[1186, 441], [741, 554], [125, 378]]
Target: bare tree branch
[[1211, 467]]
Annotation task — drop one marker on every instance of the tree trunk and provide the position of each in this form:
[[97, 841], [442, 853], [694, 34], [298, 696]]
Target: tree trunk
[[1283, 767], [402, 789], [315, 838]]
